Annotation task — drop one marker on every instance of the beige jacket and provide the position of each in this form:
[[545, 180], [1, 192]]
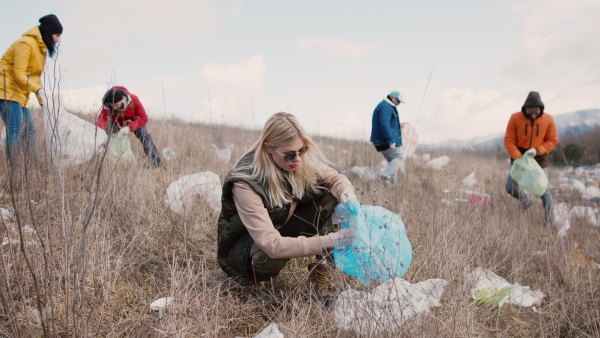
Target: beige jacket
[[255, 217]]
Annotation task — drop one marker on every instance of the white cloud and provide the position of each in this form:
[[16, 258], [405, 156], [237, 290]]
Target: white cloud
[[337, 47], [233, 88]]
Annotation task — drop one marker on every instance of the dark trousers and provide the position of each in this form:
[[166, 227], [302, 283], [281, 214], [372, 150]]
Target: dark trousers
[[309, 219], [147, 143]]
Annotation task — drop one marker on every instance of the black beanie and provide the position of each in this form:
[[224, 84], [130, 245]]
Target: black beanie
[[113, 95], [49, 25]]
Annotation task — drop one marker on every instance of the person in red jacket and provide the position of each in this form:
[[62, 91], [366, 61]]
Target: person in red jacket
[[123, 112], [531, 132]]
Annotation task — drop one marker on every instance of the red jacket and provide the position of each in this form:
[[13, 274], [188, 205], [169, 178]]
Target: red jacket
[[134, 115]]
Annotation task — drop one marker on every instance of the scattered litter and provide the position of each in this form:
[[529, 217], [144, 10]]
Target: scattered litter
[[410, 139], [70, 140], [445, 191], [206, 184], [476, 198], [271, 331], [364, 173], [223, 154], [29, 230], [381, 249], [7, 213], [387, 307], [493, 289], [470, 180], [461, 200], [541, 252], [438, 163], [8, 240], [445, 201], [562, 218], [469, 192], [582, 262], [169, 155], [161, 303], [588, 213]]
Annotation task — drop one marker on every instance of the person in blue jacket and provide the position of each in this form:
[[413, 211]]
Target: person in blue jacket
[[386, 135]]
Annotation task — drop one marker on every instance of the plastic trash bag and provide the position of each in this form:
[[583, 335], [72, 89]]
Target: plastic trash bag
[[438, 163], [119, 148], [387, 307], [529, 175], [206, 184], [381, 249], [470, 180], [70, 140], [493, 289], [410, 139], [169, 154]]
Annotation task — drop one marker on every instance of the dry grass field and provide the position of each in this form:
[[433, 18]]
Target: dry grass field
[[105, 246]]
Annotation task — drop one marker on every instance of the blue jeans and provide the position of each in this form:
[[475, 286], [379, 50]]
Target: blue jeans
[[395, 160], [512, 187], [19, 122]]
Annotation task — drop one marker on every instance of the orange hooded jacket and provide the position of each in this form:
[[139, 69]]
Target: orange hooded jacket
[[523, 133]]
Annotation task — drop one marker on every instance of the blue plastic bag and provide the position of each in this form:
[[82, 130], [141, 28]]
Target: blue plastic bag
[[381, 249]]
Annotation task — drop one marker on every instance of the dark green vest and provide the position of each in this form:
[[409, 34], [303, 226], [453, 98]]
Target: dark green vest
[[231, 229]]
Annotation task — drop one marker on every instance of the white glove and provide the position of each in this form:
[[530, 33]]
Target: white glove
[[124, 131], [531, 152], [347, 196], [343, 237], [41, 93], [392, 146]]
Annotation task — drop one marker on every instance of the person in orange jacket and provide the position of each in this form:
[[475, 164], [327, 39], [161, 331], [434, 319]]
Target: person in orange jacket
[[531, 132], [123, 112]]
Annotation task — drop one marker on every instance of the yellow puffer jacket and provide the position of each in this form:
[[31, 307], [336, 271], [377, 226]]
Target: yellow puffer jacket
[[21, 67]]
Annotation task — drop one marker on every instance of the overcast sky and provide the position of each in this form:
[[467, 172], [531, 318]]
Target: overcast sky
[[329, 62]]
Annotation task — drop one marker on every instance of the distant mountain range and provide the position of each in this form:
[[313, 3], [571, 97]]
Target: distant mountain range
[[576, 122]]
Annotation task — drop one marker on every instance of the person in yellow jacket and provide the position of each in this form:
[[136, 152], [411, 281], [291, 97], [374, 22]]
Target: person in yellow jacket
[[21, 67], [531, 132]]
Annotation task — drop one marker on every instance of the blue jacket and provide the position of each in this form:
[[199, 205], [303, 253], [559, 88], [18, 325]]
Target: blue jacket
[[386, 124]]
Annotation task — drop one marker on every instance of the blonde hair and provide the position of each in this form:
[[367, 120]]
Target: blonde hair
[[282, 129]]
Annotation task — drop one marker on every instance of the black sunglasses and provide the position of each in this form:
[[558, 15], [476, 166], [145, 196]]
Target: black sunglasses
[[290, 156]]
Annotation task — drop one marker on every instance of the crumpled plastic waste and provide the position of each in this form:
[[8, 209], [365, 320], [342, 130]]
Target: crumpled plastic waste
[[119, 147], [478, 199], [169, 154], [206, 184], [70, 140], [562, 218], [161, 303], [592, 215], [387, 307], [588, 192], [493, 289], [271, 331], [438, 163], [6, 214], [364, 173], [381, 249], [529, 175], [470, 180]]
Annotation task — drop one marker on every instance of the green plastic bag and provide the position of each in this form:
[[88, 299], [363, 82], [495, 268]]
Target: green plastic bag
[[529, 175], [119, 148]]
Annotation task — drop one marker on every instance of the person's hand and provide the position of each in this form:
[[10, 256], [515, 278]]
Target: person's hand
[[392, 146], [345, 197], [124, 131], [531, 152], [41, 94], [343, 237]]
